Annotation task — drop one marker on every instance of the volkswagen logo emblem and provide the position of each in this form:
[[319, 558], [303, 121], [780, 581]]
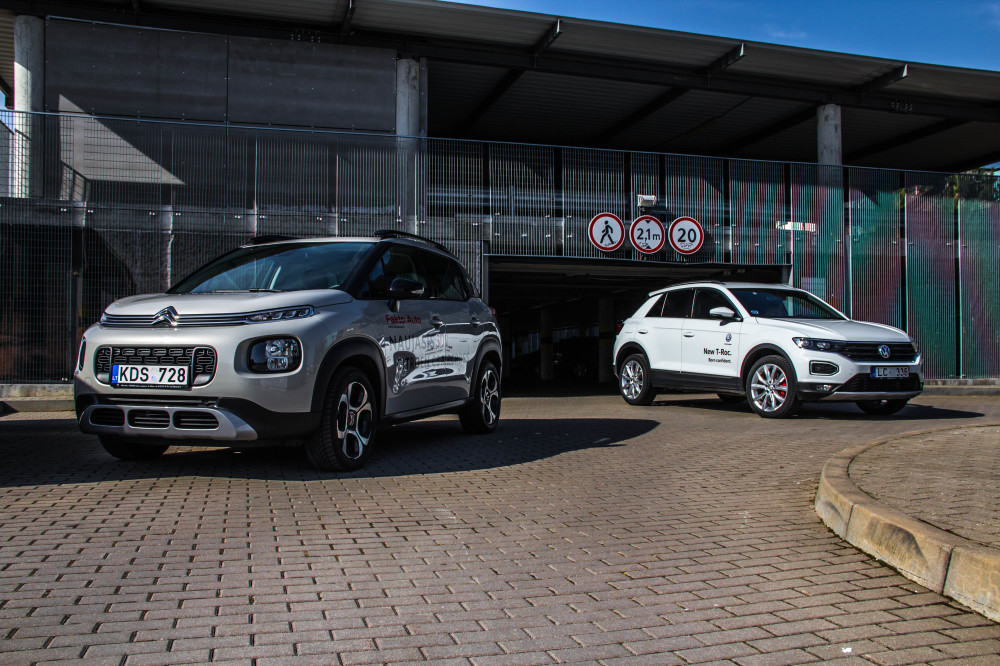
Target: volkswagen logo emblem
[[165, 317], [883, 351]]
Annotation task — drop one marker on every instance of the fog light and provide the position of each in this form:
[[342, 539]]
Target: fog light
[[825, 388], [823, 368], [275, 355]]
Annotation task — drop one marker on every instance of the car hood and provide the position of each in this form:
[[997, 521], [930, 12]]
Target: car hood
[[226, 303], [858, 331]]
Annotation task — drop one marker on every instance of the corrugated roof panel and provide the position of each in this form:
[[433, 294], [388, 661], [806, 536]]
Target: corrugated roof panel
[[455, 90], [935, 81], [862, 128], [666, 129], [324, 12], [629, 42]]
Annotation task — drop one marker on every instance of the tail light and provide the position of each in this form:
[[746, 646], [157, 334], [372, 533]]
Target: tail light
[[618, 326]]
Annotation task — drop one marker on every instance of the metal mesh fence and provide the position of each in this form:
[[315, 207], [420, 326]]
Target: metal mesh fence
[[93, 209]]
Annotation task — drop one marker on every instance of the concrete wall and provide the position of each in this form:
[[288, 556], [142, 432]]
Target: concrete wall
[[123, 71]]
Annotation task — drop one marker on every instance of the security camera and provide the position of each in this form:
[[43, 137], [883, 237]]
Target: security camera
[[645, 200]]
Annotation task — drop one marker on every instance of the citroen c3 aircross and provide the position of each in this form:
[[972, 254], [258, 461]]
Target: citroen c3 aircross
[[318, 342]]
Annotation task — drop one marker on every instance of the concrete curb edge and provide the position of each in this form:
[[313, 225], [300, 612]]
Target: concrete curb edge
[[943, 562]]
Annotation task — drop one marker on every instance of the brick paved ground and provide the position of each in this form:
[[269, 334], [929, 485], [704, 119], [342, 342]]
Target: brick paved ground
[[582, 531], [947, 479]]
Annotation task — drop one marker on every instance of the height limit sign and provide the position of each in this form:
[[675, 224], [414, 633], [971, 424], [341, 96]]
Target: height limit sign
[[647, 234]]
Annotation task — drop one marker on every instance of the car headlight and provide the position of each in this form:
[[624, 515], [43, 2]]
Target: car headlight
[[819, 345], [281, 315], [916, 347], [275, 355]]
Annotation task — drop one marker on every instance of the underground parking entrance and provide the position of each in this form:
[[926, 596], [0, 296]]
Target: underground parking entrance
[[558, 316]]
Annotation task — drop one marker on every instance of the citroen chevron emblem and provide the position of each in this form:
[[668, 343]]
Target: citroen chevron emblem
[[883, 351], [165, 317]]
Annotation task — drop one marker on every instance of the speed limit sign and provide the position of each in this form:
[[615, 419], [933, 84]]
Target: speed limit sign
[[686, 235]]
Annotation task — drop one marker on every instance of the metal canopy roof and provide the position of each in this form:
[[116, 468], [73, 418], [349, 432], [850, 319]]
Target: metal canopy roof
[[518, 76]]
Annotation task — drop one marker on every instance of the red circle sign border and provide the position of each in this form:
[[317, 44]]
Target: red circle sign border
[[590, 232], [701, 235], [662, 234]]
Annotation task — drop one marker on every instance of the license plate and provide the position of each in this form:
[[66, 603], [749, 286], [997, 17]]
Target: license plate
[[150, 375], [890, 372]]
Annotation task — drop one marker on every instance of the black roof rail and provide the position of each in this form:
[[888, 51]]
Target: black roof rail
[[393, 233], [269, 238]]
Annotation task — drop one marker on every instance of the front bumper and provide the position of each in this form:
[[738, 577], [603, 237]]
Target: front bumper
[[184, 422]]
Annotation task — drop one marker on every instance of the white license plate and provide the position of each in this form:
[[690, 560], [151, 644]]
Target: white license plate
[[890, 372], [150, 375]]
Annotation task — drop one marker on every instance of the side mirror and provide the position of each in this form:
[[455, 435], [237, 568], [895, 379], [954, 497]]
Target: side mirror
[[403, 289], [722, 312]]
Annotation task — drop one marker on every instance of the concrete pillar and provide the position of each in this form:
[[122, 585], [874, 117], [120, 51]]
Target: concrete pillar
[[410, 111], [829, 147], [546, 357], [29, 95], [605, 340]]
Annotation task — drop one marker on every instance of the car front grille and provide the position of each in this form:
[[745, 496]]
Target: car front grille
[[107, 416], [195, 421], [862, 383], [202, 360], [867, 352], [148, 418]]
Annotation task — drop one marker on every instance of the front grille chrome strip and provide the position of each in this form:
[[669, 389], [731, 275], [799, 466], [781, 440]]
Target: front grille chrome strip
[[147, 321]]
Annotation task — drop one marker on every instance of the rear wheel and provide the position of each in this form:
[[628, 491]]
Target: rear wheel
[[635, 382], [772, 388], [881, 407], [130, 449], [483, 413], [347, 425]]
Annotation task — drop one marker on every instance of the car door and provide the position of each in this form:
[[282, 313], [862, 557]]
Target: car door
[[406, 334], [446, 371], [711, 346], [666, 328]]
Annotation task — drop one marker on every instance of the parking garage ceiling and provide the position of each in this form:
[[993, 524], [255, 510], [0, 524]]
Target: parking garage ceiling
[[516, 76]]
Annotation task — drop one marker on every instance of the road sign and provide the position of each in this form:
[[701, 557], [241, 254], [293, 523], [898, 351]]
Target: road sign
[[606, 231], [647, 234], [686, 235]]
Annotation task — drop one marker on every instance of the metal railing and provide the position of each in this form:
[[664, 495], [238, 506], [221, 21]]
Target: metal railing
[[92, 209]]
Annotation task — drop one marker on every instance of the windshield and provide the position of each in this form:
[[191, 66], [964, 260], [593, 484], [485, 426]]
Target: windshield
[[784, 304], [282, 267]]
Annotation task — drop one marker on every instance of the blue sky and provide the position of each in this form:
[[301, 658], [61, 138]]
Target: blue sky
[[960, 33]]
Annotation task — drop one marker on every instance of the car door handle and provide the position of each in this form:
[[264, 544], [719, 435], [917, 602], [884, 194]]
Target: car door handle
[[688, 334], [642, 330], [437, 322]]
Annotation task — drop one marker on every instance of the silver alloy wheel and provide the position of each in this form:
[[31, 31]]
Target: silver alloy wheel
[[489, 396], [354, 420], [769, 388], [632, 379]]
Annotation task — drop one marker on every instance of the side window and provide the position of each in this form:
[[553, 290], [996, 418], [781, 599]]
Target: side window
[[656, 308], [399, 261], [444, 277], [677, 304], [706, 299]]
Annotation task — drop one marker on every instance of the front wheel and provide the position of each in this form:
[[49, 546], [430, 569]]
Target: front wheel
[[772, 388], [348, 422], [128, 449], [634, 381], [881, 407], [483, 413]]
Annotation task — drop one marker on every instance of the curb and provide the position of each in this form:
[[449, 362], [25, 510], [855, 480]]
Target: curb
[[53, 404], [940, 561]]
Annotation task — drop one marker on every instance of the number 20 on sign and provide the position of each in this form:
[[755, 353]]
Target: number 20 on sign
[[686, 235]]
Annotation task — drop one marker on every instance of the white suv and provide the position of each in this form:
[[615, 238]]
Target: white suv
[[774, 345]]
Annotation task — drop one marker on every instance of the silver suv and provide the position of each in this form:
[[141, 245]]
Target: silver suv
[[315, 342]]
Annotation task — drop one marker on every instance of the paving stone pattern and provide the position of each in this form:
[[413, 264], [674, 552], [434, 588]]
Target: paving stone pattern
[[948, 479], [582, 531]]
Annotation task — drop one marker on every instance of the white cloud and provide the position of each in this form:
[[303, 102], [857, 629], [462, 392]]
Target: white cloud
[[775, 32]]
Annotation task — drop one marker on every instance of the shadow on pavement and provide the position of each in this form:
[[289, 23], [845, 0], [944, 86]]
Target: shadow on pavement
[[819, 410], [50, 452]]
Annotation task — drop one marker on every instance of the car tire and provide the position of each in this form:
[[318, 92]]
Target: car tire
[[129, 449], [483, 413], [348, 423], [881, 407], [772, 389], [731, 398], [635, 381]]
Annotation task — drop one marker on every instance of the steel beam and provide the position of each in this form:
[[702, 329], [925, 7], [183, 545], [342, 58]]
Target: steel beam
[[345, 22], [903, 139], [880, 82]]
